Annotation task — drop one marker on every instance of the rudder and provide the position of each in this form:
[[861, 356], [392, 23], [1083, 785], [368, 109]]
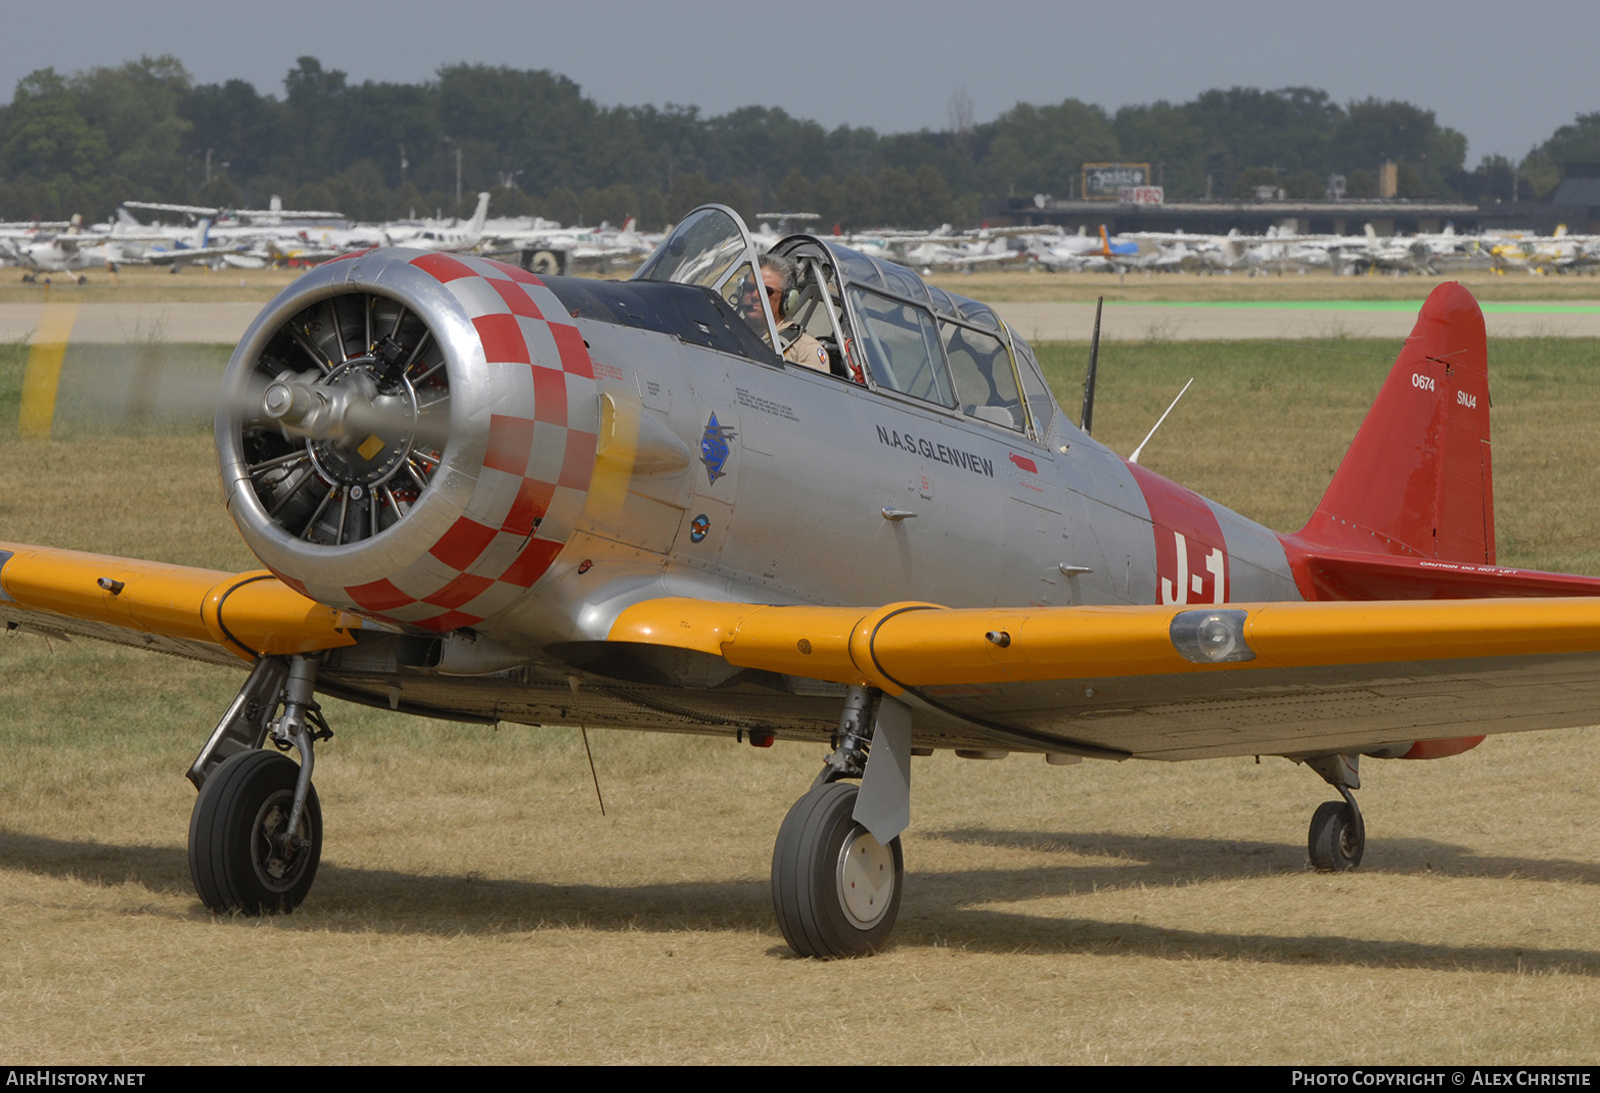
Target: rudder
[[1417, 480]]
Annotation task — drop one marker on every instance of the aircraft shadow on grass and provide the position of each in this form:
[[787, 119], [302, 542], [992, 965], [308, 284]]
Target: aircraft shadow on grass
[[1162, 860], [364, 900]]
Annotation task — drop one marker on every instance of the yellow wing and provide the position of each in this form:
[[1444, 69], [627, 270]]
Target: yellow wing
[[1113, 681], [1182, 682], [202, 613]]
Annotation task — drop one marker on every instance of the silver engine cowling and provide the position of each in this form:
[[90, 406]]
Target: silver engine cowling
[[409, 435]]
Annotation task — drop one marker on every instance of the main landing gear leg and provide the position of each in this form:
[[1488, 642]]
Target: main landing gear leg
[[849, 758], [1338, 835], [255, 836], [835, 888]]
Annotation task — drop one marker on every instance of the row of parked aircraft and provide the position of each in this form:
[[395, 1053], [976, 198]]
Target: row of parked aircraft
[[275, 236], [1431, 254]]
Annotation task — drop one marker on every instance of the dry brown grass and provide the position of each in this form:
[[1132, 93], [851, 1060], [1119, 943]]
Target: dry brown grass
[[473, 905]]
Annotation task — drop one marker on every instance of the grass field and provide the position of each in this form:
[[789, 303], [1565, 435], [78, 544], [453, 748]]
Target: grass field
[[474, 906]]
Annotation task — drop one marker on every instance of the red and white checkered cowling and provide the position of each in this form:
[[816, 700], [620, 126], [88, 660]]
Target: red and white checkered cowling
[[524, 413]]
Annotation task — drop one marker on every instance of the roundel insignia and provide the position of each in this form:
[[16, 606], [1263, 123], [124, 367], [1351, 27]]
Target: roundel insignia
[[698, 527]]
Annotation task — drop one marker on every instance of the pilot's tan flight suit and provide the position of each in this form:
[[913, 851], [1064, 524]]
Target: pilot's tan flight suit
[[804, 350]]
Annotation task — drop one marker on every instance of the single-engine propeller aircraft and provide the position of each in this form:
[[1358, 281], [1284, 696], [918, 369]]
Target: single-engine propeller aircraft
[[487, 495]]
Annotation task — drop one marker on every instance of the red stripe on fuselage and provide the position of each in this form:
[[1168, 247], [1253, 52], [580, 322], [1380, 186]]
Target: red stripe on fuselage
[[1191, 554]]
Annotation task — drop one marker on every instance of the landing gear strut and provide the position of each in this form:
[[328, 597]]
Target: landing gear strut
[[835, 888], [255, 836], [1338, 835]]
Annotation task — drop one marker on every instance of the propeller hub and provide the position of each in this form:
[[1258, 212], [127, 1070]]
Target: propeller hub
[[357, 431]]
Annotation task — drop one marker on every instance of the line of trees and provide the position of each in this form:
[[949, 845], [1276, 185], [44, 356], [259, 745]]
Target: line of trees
[[377, 151]]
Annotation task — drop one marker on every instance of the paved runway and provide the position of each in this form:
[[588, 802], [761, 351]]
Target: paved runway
[[118, 324], [225, 323]]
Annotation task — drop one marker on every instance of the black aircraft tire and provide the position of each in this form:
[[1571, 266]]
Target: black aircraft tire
[[835, 889], [231, 859], [1336, 841]]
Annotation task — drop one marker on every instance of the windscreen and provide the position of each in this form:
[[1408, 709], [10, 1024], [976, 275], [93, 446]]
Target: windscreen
[[698, 252]]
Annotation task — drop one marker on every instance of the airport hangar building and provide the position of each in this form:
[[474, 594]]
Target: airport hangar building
[[1575, 203]]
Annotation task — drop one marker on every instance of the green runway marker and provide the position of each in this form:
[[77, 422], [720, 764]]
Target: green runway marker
[[1365, 305]]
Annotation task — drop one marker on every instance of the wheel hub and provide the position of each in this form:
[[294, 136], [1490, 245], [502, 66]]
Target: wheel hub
[[275, 852], [866, 878], [1347, 839]]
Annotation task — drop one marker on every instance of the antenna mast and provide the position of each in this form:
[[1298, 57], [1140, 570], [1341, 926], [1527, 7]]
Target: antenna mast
[[1088, 380]]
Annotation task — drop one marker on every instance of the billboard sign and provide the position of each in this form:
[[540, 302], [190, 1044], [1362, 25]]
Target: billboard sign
[[1104, 181], [1141, 195]]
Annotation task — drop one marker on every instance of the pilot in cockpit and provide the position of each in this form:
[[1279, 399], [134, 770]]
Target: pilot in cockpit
[[779, 275]]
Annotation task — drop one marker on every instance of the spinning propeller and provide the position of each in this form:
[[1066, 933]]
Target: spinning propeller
[[344, 417]]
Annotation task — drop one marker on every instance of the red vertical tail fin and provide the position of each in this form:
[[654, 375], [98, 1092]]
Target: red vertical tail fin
[[1416, 481]]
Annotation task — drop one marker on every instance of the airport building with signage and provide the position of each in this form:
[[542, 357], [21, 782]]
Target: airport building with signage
[[1120, 196]]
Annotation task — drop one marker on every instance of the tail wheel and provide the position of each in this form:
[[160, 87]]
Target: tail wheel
[[1337, 838], [835, 888], [239, 859]]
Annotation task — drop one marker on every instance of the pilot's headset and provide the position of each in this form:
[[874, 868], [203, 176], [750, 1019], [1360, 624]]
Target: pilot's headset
[[790, 299]]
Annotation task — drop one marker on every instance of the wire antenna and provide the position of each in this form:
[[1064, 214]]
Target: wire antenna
[[1134, 458], [574, 682]]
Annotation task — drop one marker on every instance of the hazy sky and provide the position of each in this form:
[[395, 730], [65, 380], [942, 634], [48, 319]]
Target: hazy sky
[[1506, 75]]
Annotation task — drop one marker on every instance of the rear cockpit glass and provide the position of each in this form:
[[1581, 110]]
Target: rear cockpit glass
[[901, 346], [978, 314], [984, 378], [902, 281], [856, 266], [991, 375]]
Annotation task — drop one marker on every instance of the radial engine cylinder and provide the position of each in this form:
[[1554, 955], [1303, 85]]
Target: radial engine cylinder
[[409, 435]]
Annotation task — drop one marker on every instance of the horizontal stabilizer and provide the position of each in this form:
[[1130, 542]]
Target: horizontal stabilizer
[[1346, 575]]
